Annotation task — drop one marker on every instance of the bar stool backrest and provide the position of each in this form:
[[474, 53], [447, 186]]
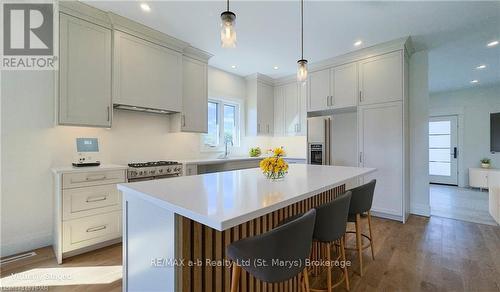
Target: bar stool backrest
[[289, 243], [362, 198], [331, 219]]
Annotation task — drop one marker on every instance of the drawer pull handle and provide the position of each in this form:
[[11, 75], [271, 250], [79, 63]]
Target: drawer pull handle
[[97, 199], [94, 229], [90, 178]]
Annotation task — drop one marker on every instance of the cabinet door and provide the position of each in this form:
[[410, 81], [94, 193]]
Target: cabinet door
[[319, 90], [381, 78], [265, 109], [146, 74], [279, 111], [345, 86], [84, 73], [195, 96], [302, 88], [292, 114], [381, 147]]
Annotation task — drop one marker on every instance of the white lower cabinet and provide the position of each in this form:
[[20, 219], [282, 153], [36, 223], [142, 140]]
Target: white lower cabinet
[[87, 209], [381, 146]]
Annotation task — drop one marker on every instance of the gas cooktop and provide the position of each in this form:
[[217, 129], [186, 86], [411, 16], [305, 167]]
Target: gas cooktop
[[152, 163]]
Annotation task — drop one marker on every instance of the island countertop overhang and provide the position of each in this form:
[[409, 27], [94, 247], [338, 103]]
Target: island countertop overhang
[[226, 199]]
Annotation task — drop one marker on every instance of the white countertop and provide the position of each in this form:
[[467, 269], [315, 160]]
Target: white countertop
[[102, 167], [229, 159], [225, 199]]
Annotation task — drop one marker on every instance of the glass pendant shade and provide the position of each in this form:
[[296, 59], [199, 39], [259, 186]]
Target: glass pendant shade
[[228, 32], [302, 70]]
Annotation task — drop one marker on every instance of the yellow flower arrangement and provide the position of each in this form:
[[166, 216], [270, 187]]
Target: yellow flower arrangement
[[274, 167]]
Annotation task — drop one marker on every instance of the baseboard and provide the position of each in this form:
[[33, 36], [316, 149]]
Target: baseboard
[[420, 209], [387, 216], [25, 243]]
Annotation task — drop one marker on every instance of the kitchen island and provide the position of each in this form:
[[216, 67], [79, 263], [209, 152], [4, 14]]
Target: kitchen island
[[175, 230]]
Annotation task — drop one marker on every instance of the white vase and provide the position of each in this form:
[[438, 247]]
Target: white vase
[[485, 165]]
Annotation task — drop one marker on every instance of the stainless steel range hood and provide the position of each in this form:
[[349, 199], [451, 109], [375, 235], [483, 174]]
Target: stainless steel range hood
[[142, 109]]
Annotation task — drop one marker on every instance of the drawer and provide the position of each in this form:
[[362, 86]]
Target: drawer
[[83, 232], [81, 202], [93, 178]]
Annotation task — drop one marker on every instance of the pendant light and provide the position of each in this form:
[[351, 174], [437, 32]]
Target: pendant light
[[227, 32], [302, 63]]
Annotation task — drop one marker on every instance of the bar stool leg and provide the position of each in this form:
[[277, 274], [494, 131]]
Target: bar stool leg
[[329, 268], [358, 243], [306, 280], [346, 274], [371, 236], [235, 279]]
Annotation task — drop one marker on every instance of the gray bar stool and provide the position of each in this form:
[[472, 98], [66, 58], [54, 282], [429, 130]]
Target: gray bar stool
[[289, 242], [330, 227], [361, 203]]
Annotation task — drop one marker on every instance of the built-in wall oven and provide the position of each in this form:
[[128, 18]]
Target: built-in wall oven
[[318, 140]]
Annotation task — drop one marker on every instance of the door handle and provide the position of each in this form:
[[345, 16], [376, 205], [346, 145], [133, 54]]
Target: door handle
[[455, 152]]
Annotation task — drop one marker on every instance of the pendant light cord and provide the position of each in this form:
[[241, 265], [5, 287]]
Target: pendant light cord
[[227, 5], [302, 27]]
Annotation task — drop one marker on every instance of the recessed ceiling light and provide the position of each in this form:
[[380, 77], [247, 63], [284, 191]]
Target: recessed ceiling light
[[482, 66], [492, 44], [474, 81], [233, 66], [276, 67], [145, 7], [358, 43]]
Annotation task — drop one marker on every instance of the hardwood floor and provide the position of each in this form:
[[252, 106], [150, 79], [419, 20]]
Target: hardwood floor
[[426, 254]]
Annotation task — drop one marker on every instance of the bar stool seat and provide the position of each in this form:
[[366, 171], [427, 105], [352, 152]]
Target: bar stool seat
[[361, 203], [330, 227], [288, 242]]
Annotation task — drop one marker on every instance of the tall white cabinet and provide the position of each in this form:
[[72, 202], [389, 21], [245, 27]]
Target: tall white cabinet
[[290, 109], [367, 92]]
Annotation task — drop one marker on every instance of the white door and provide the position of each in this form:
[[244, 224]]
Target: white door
[[381, 78], [443, 150], [319, 90], [345, 85], [381, 147], [195, 96], [84, 73]]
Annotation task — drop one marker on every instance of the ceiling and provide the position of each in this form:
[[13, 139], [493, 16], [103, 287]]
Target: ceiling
[[455, 33]]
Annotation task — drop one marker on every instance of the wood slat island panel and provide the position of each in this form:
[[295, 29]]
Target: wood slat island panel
[[200, 242]]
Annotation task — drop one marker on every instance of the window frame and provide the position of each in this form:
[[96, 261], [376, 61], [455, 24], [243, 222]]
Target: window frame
[[220, 114]]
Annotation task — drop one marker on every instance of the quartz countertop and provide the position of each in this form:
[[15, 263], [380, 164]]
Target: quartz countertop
[[225, 199], [102, 167]]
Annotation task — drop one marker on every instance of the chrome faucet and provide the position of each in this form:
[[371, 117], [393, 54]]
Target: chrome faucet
[[227, 141]]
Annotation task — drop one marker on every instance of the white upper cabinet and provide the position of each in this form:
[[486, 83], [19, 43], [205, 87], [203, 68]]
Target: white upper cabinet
[[344, 86], [145, 74], [279, 111], [195, 96], [319, 90], [292, 111], [333, 88], [260, 106], [381, 78], [84, 73]]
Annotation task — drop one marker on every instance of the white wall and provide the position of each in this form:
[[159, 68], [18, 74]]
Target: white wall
[[473, 106], [31, 145], [419, 132]]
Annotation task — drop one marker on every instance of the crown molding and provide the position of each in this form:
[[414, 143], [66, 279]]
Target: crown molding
[[197, 54]]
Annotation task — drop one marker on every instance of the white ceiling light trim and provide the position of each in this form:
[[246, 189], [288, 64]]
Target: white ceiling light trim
[[145, 7], [492, 44], [358, 43], [480, 67]]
